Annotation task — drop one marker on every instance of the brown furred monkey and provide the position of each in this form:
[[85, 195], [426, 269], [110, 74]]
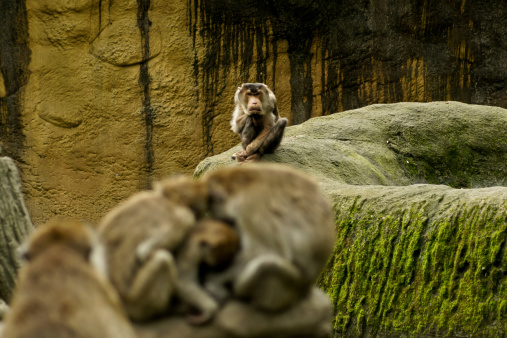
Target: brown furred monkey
[[285, 226], [156, 249], [210, 246], [140, 235], [257, 121], [61, 290]]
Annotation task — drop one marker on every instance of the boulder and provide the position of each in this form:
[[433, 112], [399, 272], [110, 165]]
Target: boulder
[[420, 194]]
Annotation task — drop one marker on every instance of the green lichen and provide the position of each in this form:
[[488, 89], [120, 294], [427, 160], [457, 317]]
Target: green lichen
[[409, 271]]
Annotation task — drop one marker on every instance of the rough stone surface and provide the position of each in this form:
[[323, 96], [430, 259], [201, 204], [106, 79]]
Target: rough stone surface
[[420, 260], [15, 225], [3, 92], [100, 98], [118, 44], [420, 196], [460, 145]]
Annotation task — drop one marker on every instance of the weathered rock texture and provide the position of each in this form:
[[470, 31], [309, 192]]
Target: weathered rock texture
[[15, 225], [99, 98], [421, 260], [460, 145], [417, 252]]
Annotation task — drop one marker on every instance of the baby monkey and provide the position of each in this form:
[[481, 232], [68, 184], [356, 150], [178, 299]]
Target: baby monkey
[[257, 121]]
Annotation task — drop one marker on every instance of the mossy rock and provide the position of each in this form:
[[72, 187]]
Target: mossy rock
[[420, 196], [15, 225]]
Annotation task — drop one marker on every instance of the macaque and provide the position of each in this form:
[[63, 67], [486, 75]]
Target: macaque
[[157, 251], [140, 236], [62, 290], [285, 227], [257, 121]]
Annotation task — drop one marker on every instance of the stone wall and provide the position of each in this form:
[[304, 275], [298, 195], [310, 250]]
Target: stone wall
[[100, 98]]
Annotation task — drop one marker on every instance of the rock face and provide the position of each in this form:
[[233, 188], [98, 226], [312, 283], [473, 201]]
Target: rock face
[[420, 260], [99, 98], [460, 145], [420, 196], [15, 224]]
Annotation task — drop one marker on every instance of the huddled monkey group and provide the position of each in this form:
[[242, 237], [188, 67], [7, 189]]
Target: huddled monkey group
[[255, 234]]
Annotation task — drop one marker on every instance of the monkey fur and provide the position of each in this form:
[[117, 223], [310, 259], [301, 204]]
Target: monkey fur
[[140, 235], [285, 227], [156, 250], [257, 121], [211, 246], [62, 291]]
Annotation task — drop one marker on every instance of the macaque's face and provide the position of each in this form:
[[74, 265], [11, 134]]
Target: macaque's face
[[218, 241], [253, 97]]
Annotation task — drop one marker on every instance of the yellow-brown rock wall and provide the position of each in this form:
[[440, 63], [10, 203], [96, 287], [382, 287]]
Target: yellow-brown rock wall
[[99, 98]]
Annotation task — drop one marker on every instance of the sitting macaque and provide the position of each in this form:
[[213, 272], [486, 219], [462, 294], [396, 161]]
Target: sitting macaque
[[62, 290], [285, 227], [257, 121]]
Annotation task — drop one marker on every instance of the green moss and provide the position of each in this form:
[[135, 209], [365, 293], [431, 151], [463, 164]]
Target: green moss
[[402, 273]]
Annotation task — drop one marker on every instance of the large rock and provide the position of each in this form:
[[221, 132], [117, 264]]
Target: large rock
[[15, 225], [451, 143], [100, 98], [421, 223]]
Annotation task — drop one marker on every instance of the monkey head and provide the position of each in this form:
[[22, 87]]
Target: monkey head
[[62, 290], [183, 190], [255, 99], [74, 235], [255, 105]]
